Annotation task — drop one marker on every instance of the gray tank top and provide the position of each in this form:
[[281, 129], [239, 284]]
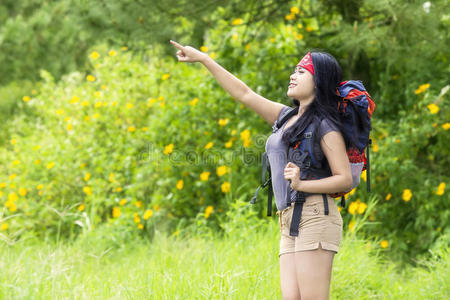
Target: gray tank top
[[276, 151]]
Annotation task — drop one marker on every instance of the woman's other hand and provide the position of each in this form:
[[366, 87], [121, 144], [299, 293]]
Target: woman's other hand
[[292, 174], [188, 53]]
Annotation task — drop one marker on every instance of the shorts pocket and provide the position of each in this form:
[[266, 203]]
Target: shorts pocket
[[311, 209]]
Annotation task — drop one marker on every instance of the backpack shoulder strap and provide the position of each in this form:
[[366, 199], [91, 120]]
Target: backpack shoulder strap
[[285, 114]]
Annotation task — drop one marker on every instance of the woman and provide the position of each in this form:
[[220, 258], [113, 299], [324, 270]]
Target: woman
[[305, 260]]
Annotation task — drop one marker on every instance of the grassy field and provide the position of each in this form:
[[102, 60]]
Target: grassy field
[[243, 264]]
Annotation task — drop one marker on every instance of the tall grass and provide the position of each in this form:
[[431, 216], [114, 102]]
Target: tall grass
[[242, 264]]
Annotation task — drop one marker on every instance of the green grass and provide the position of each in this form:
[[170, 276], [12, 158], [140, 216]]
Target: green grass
[[244, 264]]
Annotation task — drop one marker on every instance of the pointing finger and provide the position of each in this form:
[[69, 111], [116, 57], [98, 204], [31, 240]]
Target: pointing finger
[[176, 45]]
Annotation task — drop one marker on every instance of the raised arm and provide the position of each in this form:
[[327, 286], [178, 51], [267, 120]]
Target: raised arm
[[267, 109]]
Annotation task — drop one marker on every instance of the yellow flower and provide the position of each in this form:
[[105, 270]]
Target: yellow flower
[[87, 176], [13, 141], [234, 36], [180, 184], [247, 47], [203, 48], [299, 36], [209, 145], [440, 189], [289, 17], [433, 108], [144, 128], [69, 127], [353, 207], [156, 207], [37, 147], [22, 192], [351, 225], [228, 144], [12, 197], [148, 213], [165, 76], [37, 161], [118, 189], [272, 40], [136, 218], [406, 195], [123, 202], [111, 177], [124, 48], [84, 103], [237, 21], [204, 176], [40, 186], [81, 207], [140, 226], [361, 208], [12, 176], [138, 203], [223, 122], [16, 162], [50, 165], [116, 212], [4, 226], [103, 87], [168, 149], [193, 101], [299, 25], [388, 196], [87, 190], [94, 55], [26, 98], [90, 78], [129, 105], [364, 175], [209, 209], [294, 10], [131, 129], [221, 170], [2, 184], [13, 207], [225, 187], [309, 28], [446, 126], [375, 148], [98, 104], [422, 88], [112, 53], [384, 244]]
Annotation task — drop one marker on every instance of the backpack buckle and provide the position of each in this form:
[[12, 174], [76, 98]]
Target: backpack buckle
[[308, 134], [274, 127]]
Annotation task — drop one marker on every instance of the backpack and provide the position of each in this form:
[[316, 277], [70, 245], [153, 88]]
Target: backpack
[[357, 106]]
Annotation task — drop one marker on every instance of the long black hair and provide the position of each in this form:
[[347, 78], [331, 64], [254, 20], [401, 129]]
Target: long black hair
[[327, 76]]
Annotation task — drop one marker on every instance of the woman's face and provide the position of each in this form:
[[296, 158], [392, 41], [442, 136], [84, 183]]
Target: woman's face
[[301, 85]]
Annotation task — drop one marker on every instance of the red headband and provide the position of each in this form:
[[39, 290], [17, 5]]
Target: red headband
[[307, 63]]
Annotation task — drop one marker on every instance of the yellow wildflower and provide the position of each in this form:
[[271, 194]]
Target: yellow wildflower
[[13, 141], [422, 88], [168, 149], [237, 21], [223, 122], [40, 186], [299, 36], [193, 101], [309, 28], [16, 162], [4, 226], [116, 212], [225, 187], [123, 202], [131, 129], [81, 207], [228, 144], [221, 170], [124, 48], [69, 127], [234, 36], [26, 98], [209, 145], [364, 175], [209, 209], [156, 207], [22, 192], [90, 78], [272, 40], [294, 10], [440, 189], [433, 108], [353, 207], [165, 76], [384, 244], [94, 55], [180, 184], [388, 196], [247, 47], [87, 176], [140, 226], [289, 17], [375, 148], [84, 103], [111, 177], [361, 208], [351, 225], [139, 203], [407, 194], [204, 176], [12, 197], [87, 190], [50, 165], [112, 53], [118, 189], [148, 213], [446, 126]]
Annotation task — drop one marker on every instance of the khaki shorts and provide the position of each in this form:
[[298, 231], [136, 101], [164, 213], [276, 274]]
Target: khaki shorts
[[315, 227]]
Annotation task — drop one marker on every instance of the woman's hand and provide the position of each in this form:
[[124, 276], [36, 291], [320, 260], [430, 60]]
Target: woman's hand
[[188, 53], [292, 173]]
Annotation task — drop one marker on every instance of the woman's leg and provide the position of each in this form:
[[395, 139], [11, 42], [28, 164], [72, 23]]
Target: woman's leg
[[288, 277], [314, 273]]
